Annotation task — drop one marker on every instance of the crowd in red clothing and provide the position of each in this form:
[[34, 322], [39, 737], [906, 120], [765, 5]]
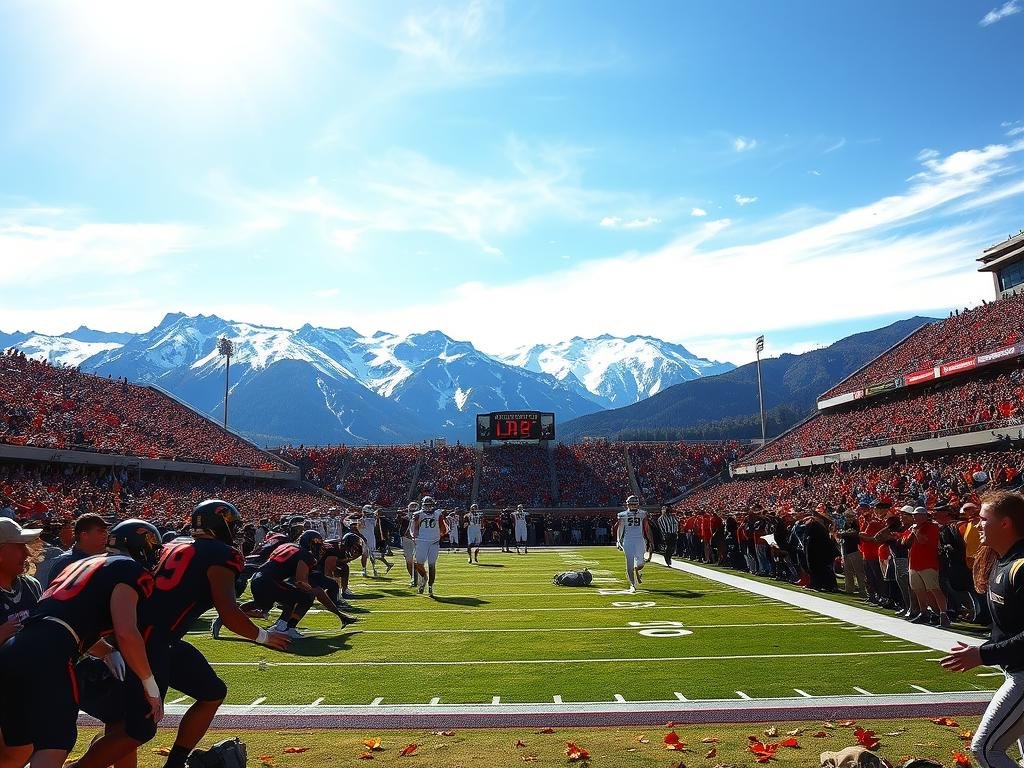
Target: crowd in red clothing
[[50, 407], [58, 493], [515, 474], [664, 470], [447, 474], [592, 473], [965, 334], [992, 400], [381, 474]]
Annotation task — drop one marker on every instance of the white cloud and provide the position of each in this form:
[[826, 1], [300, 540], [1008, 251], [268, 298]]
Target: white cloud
[[1015, 131], [743, 144], [698, 212], [814, 172], [617, 222], [346, 239], [835, 146], [695, 288], [44, 244], [998, 14], [742, 200]]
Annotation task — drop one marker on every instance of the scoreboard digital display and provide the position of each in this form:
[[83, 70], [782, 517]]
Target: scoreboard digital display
[[514, 425]]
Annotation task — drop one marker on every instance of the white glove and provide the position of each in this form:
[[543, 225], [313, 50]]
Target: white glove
[[115, 663]]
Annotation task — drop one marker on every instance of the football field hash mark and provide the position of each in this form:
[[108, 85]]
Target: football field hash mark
[[620, 698], [179, 699], [435, 701], [496, 700], [861, 690], [680, 696], [317, 702], [557, 699], [376, 702], [805, 694], [742, 695], [922, 690], [258, 701]]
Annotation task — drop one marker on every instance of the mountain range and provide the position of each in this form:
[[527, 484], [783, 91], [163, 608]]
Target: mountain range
[[319, 385]]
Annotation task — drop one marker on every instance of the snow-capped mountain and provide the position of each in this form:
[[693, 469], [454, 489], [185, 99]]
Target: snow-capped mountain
[[323, 385], [617, 371]]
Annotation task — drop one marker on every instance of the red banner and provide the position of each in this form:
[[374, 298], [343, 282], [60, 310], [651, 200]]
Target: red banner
[[967, 364], [919, 376]]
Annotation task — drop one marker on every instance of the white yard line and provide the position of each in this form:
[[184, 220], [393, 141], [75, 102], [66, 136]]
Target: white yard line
[[317, 702], [179, 699], [919, 688], [619, 698], [574, 609], [258, 701], [565, 629], [680, 696], [924, 635], [496, 700], [376, 702], [805, 694], [861, 690], [742, 695], [504, 662], [556, 699], [435, 701]]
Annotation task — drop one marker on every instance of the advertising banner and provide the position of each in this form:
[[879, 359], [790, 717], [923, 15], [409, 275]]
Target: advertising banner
[[1000, 354], [883, 386], [958, 366], [919, 376], [848, 397]]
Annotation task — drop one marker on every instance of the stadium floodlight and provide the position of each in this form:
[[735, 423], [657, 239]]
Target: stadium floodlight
[[758, 349], [227, 348]]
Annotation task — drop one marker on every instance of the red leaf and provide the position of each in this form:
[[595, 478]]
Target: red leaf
[[409, 750], [520, 743], [760, 750], [295, 750], [763, 758], [546, 730], [962, 760], [575, 753], [373, 745], [791, 742], [821, 735], [672, 738], [947, 721], [711, 753], [866, 738], [677, 747], [366, 756]]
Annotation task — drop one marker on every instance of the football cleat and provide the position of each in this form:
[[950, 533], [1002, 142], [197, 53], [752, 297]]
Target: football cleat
[[215, 628], [388, 567]]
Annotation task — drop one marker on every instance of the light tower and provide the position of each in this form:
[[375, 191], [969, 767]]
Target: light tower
[[227, 348]]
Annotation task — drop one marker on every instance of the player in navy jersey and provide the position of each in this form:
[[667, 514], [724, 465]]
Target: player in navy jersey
[[90, 599], [333, 570], [194, 575]]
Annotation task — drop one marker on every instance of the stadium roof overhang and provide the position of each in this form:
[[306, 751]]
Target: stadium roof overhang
[[1003, 254]]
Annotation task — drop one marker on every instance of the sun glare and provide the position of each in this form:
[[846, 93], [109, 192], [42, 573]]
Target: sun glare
[[203, 47]]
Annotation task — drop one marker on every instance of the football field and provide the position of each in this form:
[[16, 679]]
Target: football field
[[501, 632]]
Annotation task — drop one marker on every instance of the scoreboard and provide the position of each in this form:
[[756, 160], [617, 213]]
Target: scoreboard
[[514, 425]]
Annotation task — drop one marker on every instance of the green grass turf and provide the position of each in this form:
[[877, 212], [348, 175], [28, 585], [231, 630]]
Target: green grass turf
[[502, 629], [611, 747]]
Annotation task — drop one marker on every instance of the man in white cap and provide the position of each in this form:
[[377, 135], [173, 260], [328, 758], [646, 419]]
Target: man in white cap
[[19, 592]]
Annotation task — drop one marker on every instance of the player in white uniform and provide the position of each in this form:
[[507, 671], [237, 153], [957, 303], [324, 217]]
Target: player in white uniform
[[369, 526], [428, 526], [520, 516], [405, 522], [452, 519], [633, 534], [474, 531]]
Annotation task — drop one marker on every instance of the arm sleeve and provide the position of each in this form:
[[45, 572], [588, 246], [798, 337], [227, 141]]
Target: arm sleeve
[[1009, 649]]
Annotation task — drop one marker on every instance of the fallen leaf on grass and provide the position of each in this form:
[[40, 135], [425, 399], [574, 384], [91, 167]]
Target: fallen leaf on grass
[[900, 732], [366, 756], [967, 735], [711, 753], [546, 730], [947, 721], [576, 753], [520, 743], [444, 733], [642, 738], [821, 735], [771, 732], [962, 760], [295, 750], [163, 751], [530, 758], [791, 742], [677, 747], [409, 750], [830, 726], [866, 738], [709, 740], [671, 737], [846, 723], [266, 759], [795, 732], [373, 745], [763, 752]]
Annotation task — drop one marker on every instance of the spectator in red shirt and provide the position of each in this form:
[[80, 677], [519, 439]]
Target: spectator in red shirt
[[923, 538]]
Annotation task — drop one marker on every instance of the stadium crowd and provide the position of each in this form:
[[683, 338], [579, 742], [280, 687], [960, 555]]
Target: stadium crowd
[[515, 474], [447, 474], [971, 332], [988, 401], [52, 407], [665, 470], [593, 473]]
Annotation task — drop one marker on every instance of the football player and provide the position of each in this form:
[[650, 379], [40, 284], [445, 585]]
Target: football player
[[369, 526], [633, 534], [474, 532], [521, 518], [405, 522], [429, 526], [97, 596], [194, 575], [452, 519], [333, 570]]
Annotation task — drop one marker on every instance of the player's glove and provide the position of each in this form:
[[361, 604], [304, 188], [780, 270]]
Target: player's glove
[[115, 663]]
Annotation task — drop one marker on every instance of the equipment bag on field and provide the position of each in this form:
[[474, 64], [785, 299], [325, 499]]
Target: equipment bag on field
[[229, 753], [573, 578]]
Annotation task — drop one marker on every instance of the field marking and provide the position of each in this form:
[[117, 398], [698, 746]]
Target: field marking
[[680, 696], [317, 702], [556, 629], [620, 698], [376, 702], [538, 610], [990, 674], [258, 701], [919, 688], [435, 701], [805, 694], [556, 699], [742, 695], [505, 662], [861, 690], [179, 699], [496, 700]]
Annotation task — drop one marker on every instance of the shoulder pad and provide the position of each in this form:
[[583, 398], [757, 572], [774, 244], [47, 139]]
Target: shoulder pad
[[1015, 566]]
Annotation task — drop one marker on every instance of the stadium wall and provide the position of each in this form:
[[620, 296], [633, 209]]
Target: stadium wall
[[56, 456], [983, 439]]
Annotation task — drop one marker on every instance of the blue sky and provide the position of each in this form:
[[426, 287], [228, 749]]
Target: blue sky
[[507, 173]]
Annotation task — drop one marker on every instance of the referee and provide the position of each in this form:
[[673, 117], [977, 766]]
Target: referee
[[1001, 529], [668, 525]]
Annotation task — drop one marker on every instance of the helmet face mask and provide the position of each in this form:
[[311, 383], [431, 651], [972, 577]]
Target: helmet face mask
[[221, 519], [138, 539], [313, 542]]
